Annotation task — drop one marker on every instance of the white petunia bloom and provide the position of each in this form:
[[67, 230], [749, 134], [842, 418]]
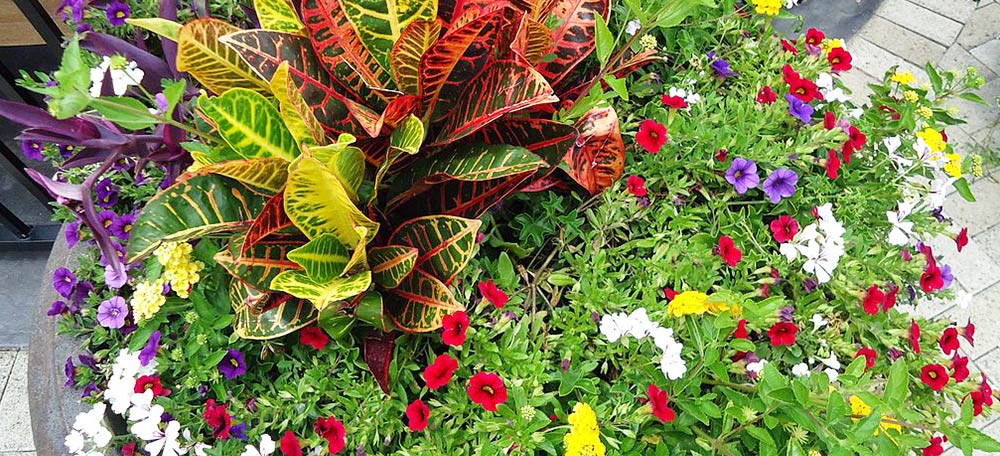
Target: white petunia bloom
[[638, 325], [822, 243], [74, 442], [832, 362], [142, 406], [123, 75], [800, 370], [632, 27], [833, 374], [614, 326], [901, 228], [672, 364], [831, 93], [265, 448], [819, 321], [149, 427], [756, 366], [166, 442], [690, 98]]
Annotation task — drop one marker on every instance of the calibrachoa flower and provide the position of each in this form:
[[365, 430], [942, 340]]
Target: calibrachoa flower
[[152, 384], [290, 445], [959, 368], [832, 165], [783, 333], [637, 186], [117, 12], [454, 327], [121, 227], [673, 101], [780, 184], [487, 389], [652, 136], [934, 448], [766, 96], [64, 282], [417, 415], [493, 294], [784, 228], [870, 356], [962, 239], [124, 74], [233, 364], [107, 195], [728, 251], [934, 376], [659, 401], [949, 341], [799, 109], [799, 87], [914, 336], [638, 325], [148, 352], [333, 431], [840, 59], [266, 447], [111, 313], [584, 437], [815, 37], [874, 300], [903, 77], [720, 65], [742, 174], [314, 337], [439, 373], [32, 150]]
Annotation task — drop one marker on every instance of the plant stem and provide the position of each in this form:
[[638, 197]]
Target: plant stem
[[716, 444], [735, 386], [158, 118]]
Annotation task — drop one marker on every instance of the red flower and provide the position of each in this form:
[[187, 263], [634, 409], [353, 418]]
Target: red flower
[[669, 293], [959, 368], [333, 431], [637, 186], [798, 86], [935, 376], [314, 337], [493, 294], [893, 114], [915, 336], [784, 228], [982, 397], [488, 390], [128, 449], [722, 155], [870, 356], [949, 341], [789, 74], [673, 101], [840, 59], [935, 448], [855, 141], [151, 383], [741, 330], [783, 333], [659, 400], [651, 136], [290, 445], [218, 419], [832, 165], [766, 95], [439, 373], [962, 239], [789, 46], [874, 300], [890, 297], [931, 280], [417, 415], [969, 332], [454, 326], [728, 251], [829, 120], [815, 37]]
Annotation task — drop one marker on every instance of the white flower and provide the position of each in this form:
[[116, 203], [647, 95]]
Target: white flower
[[74, 442], [963, 299], [819, 321], [141, 406], [149, 427], [855, 113], [123, 75], [672, 365], [833, 374], [640, 323], [901, 229], [266, 447], [614, 326], [800, 370], [632, 27], [690, 98], [831, 93], [831, 362], [756, 366], [662, 337], [166, 443]]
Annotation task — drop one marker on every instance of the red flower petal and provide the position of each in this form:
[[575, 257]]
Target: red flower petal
[[314, 337], [934, 376], [439, 373], [783, 333], [290, 445], [637, 186], [487, 389], [728, 251], [962, 239], [652, 136], [454, 327], [493, 294], [417, 415]]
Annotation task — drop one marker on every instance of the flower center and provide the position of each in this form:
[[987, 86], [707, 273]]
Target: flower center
[[489, 390], [234, 362]]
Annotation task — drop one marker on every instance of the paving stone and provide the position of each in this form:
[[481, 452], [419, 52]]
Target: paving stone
[[989, 362], [981, 27], [921, 20], [975, 268], [982, 312], [858, 82], [978, 216], [989, 53], [18, 453], [977, 115], [913, 47], [15, 421], [959, 10], [957, 58], [875, 61], [6, 363]]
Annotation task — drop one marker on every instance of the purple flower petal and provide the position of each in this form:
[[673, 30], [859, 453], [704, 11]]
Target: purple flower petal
[[149, 351], [64, 282]]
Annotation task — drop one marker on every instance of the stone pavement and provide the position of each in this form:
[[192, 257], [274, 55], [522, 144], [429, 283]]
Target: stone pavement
[[953, 33]]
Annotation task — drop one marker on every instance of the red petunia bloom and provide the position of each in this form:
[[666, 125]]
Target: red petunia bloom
[[784, 228], [935, 376], [815, 37], [855, 141], [931, 280], [290, 445], [840, 59], [741, 330], [870, 356], [783, 333], [789, 74], [454, 326], [949, 341], [128, 449], [804, 90], [659, 400], [789, 46], [439, 373], [969, 332], [673, 101], [333, 431], [218, 419], [935, 448], [766, 95], [417, 415], [722, 155], [637, 186], [890, 297], [493, 294], [652, 136], [874, 300], [728, 251], [314, 337], [829, 120], [982, 397], [832, 165], [487, 389], [959, 368], [915, 336], [150, 383], [669, 293], [962, 239]]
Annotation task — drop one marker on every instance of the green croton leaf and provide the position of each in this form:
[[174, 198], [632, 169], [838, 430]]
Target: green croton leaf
[[261, 263], [278, 15], [282, 314], [322, 294], [317, 203], [392, 263], [371, 310], [379, 23], [323, 258], [446, 244], [347, 163], [200, 206], [265, 173], [212, 63], [298, 116], [421, 302], [406, 53], [250, 124]]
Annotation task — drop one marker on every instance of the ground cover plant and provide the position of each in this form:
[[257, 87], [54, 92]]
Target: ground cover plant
[[487, 228]]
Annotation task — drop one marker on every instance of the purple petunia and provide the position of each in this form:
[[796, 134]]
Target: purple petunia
[[122, 226], [106, 218], [64, 281], [810, 284], [799, 109], [70, 370], [780, 184], [947, 276], [786, 313], [88, 361], [162, 103], [117, 12], [720, 66], [113, 278], [83, 291], [57, 308], [743, 175], [32, 150], [72, 8], [67, 150], [90, 389], [111, 313], [239, 431], [72, 234], [107, 194], [152, 346], [233, 364]]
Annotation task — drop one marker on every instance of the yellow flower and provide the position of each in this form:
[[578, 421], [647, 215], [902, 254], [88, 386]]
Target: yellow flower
[[584, 437], [180, 269], [768, 7], [147, 299], [903, 77], [925, 112], [860, 408], [911, 96], [954, 166], [688, 303], [977, 165], [933, 139], [830, 43]]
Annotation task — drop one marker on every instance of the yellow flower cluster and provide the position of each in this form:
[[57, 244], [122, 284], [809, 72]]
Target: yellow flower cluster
[[860, 408], [911, 96], [830, 43], [768, 7], [584, 439], [954, 165], [180, 268], [925, 112], [648, 42], [147, 299], [696, 303], [977, 165], [933, 138], [903, 77]]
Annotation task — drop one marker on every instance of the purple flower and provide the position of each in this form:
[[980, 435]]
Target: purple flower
[[66, 151], [89, 361], [810, 284], [111, 313], [233, 364], [780, 184], [786, 313], [162, 103], [57, 308], [720, 66], [114, 279], [84, 28], [894, 354], [32, 150], [106, 218], [122, 226], [946, 276], [166, 417], [70, 371], [117, 12], [107, 194], [149, 351], [90, 389], [75, 9], [814, 51], [799, 109], [83, 291], [202, 390], [743, 175], [239, 431], [72, 234], [64, 281]]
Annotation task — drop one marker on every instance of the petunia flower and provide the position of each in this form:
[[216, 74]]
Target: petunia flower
[[742, 174], [870, 356], [815, 37], [741, 330], [839, 58], [117, 12], [720, 66], [333, 431], [218, 419], [487, 389], [801, 370], [148, 352], [782, 333], [962, 238], [290, 445], [934, 376], [637, 186], [784, 228], [832, 164], [417, 415], [64, 282], [266, 447], [124, 74], [799, 109], [931, 280], [233, 364], [659, 401], [949, 341], [439, 373], [314, 337], [111, 313], [493, 293], [454, 327], [673, 101], [165, 442], [874, 300], [959, 368], [652, 136], [780, 184], [728, 251]]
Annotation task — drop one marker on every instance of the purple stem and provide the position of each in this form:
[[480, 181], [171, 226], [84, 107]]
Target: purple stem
[[90, 213]]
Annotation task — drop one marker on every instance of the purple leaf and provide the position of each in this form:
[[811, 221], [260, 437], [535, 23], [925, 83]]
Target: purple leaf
[[35, 117], [168, 10], [58, 190]]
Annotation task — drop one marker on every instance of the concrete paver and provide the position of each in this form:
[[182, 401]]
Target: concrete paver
[[15, 422], [921, 20]]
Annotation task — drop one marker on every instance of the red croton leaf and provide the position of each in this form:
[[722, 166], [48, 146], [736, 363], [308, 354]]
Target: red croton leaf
[[597, 159], [272, 218], [378, 355], [573, 39]]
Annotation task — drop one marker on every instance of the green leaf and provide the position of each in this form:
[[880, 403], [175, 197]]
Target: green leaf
[[317, 203], [322, 294], [371, 310], [897, 385], [323, 258], [605, 41], [250, 124], [379, 23], [259, 264], [212, 63], [408, 136], [129, 113], [962, 186], [267, 174], [278, 15], [974, 98], [158, 25], [345, 162], [420, 303], [298, 116], [283, 314], [174, 91], [618, 85], [446, 244], [935, 78], [392, 263]]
